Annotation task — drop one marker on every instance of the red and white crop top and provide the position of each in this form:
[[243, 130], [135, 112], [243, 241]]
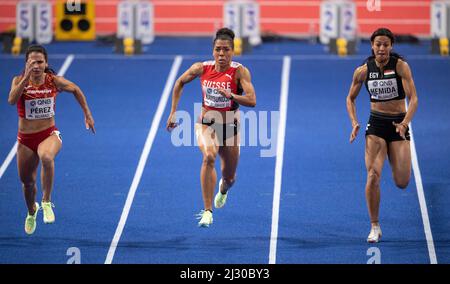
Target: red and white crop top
[[211, 81], [38, 102]]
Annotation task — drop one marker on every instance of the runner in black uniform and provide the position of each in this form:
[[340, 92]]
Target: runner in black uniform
[[388, 80]]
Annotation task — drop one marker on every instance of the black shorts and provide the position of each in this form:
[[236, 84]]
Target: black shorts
[[223, 131], [380, 124]]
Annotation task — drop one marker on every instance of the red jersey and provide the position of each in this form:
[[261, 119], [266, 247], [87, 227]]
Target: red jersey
[[211, 81], [38, 102]]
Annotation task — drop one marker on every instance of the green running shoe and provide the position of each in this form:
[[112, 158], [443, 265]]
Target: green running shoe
[[49, 216], [220, 199], [30, 221]]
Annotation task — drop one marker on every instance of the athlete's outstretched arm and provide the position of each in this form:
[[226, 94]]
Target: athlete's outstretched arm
[[244, 77], [19, 83], [193, 72], [410, 92], [358, 78], [67, 86]]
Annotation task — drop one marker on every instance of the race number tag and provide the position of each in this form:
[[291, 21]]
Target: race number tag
[[383, 89], [214, 99], [39, 108]]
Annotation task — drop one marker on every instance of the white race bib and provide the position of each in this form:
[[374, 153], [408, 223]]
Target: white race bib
[[214, 99], [383, 89], [39, 108]]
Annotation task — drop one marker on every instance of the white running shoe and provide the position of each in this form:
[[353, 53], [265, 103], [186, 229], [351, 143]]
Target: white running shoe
[[220, 199], [206, 218], [375, 234]]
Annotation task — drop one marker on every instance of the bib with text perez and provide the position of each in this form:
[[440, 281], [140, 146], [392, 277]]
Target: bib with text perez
[[39, 108]]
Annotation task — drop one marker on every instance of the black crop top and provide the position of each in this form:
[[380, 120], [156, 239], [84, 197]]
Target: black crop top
[[384, 85]]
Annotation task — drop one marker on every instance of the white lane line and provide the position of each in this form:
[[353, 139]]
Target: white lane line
[[8, 159], [421, 196], [13, 150], [279, 158], [66, 65], [145, 152]]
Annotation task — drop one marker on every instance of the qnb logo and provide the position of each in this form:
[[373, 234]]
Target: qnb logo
[[373, 5], [386, 83], [73, 5]]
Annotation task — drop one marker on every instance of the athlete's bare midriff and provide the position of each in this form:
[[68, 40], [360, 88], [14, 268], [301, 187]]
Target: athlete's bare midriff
[[33, 126], [222, 117], [389, 107]]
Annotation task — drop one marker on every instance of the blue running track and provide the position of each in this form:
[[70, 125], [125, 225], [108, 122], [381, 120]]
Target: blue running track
[[322, 215]]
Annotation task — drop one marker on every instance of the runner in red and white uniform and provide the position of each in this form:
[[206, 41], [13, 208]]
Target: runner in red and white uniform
[[223, 83], [35, 92]]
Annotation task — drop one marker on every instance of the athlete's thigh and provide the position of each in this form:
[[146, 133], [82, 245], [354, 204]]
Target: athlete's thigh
[[400, 157], [376, 151], [27, 163], [206, 139], [50, 146]]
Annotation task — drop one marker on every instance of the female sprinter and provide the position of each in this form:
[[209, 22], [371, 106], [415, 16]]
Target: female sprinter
[[34, 92], [389, 81], [217, 130]]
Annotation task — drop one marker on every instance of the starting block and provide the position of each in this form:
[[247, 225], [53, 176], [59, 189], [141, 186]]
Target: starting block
[[15, 45], [440, 27], [440, 46], [242, 45], [342, 46], [242, 17], [443, 45], [135, 26], [128, 46]]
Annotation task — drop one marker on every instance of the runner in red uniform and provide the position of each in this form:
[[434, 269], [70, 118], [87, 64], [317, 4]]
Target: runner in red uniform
[[35, 93], [223, 83]]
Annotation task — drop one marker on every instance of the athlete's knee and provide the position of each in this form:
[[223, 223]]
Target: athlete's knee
[[47, 159], [401, 178], [373, 177], [402, 183], [229, 181], [209, 158], [28, 184]]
